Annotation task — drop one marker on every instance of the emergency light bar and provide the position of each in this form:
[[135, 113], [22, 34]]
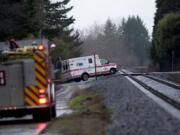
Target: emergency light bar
[[41, 47]]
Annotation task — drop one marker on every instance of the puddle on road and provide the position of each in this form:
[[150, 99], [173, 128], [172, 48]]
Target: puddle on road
[[25, 129], [20, 126], [64, 112], [63, 96], [25, 125]]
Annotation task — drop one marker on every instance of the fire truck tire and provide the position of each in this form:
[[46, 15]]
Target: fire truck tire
[[85, 77], [112, 71], [53, 110], [42, 115]]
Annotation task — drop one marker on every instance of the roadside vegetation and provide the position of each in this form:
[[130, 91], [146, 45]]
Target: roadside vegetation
[[165, 41], [126, 43], [41, 18], [90, 117]]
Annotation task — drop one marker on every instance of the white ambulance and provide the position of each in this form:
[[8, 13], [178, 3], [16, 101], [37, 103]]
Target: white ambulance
[[82, 68]]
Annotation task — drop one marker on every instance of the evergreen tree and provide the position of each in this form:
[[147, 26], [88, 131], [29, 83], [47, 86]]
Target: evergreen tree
[[109, 43], [66, 49], [167, 40], [121, 29], [56, 21], [110, 30], [18, 18], [33, 16], [24, 18], [57, 28], [164, 7], [136, 37], [13, 20]]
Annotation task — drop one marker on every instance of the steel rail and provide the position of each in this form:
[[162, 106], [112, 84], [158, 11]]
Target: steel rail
[[167, 99], [173, 85]]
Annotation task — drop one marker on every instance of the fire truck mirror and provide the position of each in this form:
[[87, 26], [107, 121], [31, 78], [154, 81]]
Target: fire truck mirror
[[52, 46]]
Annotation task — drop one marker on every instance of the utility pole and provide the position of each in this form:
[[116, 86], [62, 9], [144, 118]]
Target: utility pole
[[172, 62], [95, 65]]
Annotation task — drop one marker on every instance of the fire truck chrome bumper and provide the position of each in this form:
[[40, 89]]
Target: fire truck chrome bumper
[[20, 111]]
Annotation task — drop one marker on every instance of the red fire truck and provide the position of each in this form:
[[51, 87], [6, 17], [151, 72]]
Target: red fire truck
[[26, 85]]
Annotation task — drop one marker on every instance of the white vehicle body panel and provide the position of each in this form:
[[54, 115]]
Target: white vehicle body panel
[[76, 67]]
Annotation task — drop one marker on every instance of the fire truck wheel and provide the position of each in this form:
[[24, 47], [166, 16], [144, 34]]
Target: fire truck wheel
[[112, 71], [53, 110], [85, 77], [42, 115]]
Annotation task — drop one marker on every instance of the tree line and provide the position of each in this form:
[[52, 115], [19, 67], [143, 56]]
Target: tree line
[[166, 35], [126, 43], [40, 18]]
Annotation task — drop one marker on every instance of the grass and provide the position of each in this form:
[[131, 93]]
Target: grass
[[91, 116], [77, 124], [89, 102]]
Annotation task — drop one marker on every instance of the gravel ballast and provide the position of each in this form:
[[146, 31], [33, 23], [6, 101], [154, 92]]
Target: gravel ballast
[[169, 76], [133, 112]]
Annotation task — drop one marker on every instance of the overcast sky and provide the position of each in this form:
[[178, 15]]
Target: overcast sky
[[86, 12]]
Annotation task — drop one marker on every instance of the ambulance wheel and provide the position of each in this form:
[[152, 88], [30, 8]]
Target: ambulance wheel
[[112, 71], [77, 79], [85, 77]]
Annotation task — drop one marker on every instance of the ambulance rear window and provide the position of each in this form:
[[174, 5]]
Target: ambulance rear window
[[90, 61], [79, 64], [65, 66]]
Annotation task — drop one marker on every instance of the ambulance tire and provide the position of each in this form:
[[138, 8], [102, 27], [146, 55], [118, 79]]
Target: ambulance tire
[[85, 77], [77, 79], [112, 71], [42, 115]]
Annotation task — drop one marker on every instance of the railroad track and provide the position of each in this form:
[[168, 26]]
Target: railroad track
[[168, 99], [173, 85]]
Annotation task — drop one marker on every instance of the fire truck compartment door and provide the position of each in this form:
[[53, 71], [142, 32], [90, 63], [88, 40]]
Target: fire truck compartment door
[[12, 93], [29, 72]]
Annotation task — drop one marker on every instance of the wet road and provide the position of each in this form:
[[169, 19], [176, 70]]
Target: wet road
[[134, 112], [26, 126], [23, 126], [64, 94]]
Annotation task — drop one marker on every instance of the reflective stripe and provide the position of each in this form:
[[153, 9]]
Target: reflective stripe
[[39, 77], [32, 92], [39, 85], [31, 95], [37, 58], [40, 69], [29, 102], [41, 54], [34, 89]]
